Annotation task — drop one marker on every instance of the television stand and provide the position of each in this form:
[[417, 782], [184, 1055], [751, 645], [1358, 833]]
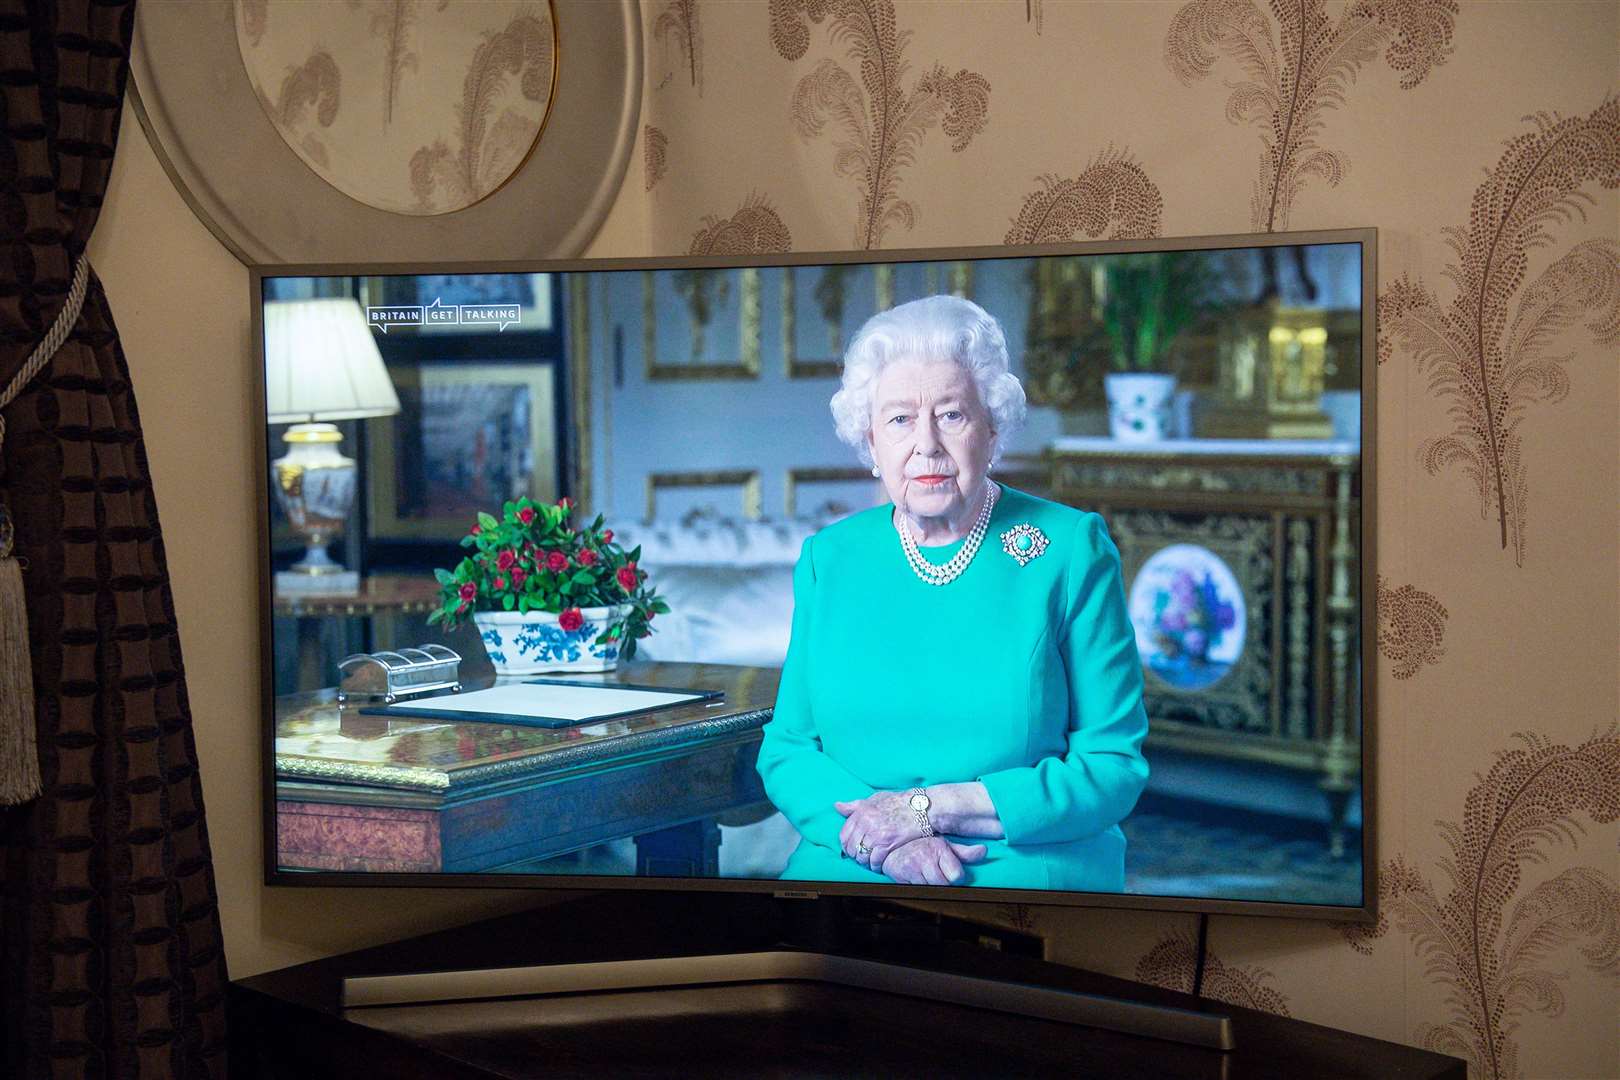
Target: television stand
[[783, 966], [720, 984]]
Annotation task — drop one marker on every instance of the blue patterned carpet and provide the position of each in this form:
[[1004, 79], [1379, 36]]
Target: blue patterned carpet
[[1182, 848]]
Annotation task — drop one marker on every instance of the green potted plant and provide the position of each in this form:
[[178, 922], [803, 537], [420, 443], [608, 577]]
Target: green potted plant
[[1148, 301], [546, 596]]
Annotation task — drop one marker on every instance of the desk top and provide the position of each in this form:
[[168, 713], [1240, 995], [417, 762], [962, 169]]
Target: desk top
[[319, 741]]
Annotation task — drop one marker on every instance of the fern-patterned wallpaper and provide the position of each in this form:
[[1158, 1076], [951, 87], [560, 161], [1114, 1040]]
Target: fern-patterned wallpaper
[[1482, 141], [413, 106]]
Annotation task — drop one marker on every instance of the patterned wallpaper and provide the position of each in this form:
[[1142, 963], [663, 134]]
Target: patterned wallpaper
[[1483, 141], [413, 106]]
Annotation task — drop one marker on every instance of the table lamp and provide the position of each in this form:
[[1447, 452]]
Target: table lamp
[[321, 364]]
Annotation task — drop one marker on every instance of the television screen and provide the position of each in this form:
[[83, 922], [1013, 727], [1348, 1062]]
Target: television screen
[[1012, 573]]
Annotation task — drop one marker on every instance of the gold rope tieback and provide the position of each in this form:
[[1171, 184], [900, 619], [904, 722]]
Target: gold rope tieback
[[19, 752]]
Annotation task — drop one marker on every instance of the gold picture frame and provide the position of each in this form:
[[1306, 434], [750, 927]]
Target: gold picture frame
[[701, 283], [446, 507], [957, 279], [797, 478], [748, 479]]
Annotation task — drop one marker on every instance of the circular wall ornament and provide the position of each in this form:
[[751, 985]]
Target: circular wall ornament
[[1189, 615], [412, 106], [403, 131]]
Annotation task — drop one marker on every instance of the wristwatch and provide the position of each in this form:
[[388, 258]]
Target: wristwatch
[[920, 802]]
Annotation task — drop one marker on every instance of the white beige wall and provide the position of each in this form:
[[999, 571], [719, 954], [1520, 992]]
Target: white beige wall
[[1523, 648], [181, 302]]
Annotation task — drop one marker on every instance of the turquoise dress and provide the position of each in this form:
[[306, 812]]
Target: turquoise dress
[[1026, 678]]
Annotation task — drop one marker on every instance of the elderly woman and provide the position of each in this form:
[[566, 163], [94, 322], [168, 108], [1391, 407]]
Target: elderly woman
[[962, 696]]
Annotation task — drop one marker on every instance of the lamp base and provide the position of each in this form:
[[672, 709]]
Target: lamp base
[[316, 562], [314, 484]]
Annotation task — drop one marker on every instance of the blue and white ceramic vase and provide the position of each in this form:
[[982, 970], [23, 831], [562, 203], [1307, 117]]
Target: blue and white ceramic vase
[[528, 643]]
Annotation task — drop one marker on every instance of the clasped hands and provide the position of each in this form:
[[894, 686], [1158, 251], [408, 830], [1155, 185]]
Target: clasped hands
[[881, 832]]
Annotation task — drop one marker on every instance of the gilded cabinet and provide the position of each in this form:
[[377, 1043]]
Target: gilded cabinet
[[1241, 567]]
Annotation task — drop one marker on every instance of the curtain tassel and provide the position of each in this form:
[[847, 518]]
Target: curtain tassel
[[19, 752], [19, 756]]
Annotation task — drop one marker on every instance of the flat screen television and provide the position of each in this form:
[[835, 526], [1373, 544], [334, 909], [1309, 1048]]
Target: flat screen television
[[1017, 574]]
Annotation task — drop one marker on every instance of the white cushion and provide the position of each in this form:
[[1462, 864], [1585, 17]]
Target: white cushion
[[722, 615]]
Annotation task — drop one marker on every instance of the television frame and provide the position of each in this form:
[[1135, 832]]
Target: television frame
[[1366, 912]]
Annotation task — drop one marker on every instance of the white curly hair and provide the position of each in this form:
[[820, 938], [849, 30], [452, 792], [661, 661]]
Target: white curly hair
[[940, 327]]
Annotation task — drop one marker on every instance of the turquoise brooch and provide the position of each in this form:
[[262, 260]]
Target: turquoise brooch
[[1023, 542]]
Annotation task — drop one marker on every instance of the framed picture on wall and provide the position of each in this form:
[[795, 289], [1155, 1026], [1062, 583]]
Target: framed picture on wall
[[467, 437]]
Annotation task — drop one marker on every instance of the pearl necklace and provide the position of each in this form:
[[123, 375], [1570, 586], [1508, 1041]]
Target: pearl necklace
[[949, 572]]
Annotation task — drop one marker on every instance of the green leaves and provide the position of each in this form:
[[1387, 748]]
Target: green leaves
[[1149, 299]]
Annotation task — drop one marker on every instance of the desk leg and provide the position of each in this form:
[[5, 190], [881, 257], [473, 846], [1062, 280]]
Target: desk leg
[[690, 850], [312, 655]]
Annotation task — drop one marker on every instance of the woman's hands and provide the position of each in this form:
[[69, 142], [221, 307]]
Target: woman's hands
[[931, 860], [879, 824], [881, 832], [884, 820]]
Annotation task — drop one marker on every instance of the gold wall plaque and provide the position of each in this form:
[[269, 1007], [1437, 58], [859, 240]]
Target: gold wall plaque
[[747, 479], [799, 478], [703, 291]]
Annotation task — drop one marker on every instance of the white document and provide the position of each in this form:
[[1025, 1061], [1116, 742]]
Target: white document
[[546, 701]]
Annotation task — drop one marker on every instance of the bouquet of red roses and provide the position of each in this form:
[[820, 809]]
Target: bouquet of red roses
[[533, 559]]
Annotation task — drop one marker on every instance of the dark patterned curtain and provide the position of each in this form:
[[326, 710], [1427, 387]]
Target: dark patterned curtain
[[110, 954]]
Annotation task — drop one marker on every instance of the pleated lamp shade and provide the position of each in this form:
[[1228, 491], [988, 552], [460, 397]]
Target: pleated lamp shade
[[321, 363]]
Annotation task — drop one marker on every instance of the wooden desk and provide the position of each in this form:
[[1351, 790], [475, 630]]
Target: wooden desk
[[368, 794]]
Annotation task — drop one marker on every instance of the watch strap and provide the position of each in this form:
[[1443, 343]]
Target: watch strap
[[922, 815]]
